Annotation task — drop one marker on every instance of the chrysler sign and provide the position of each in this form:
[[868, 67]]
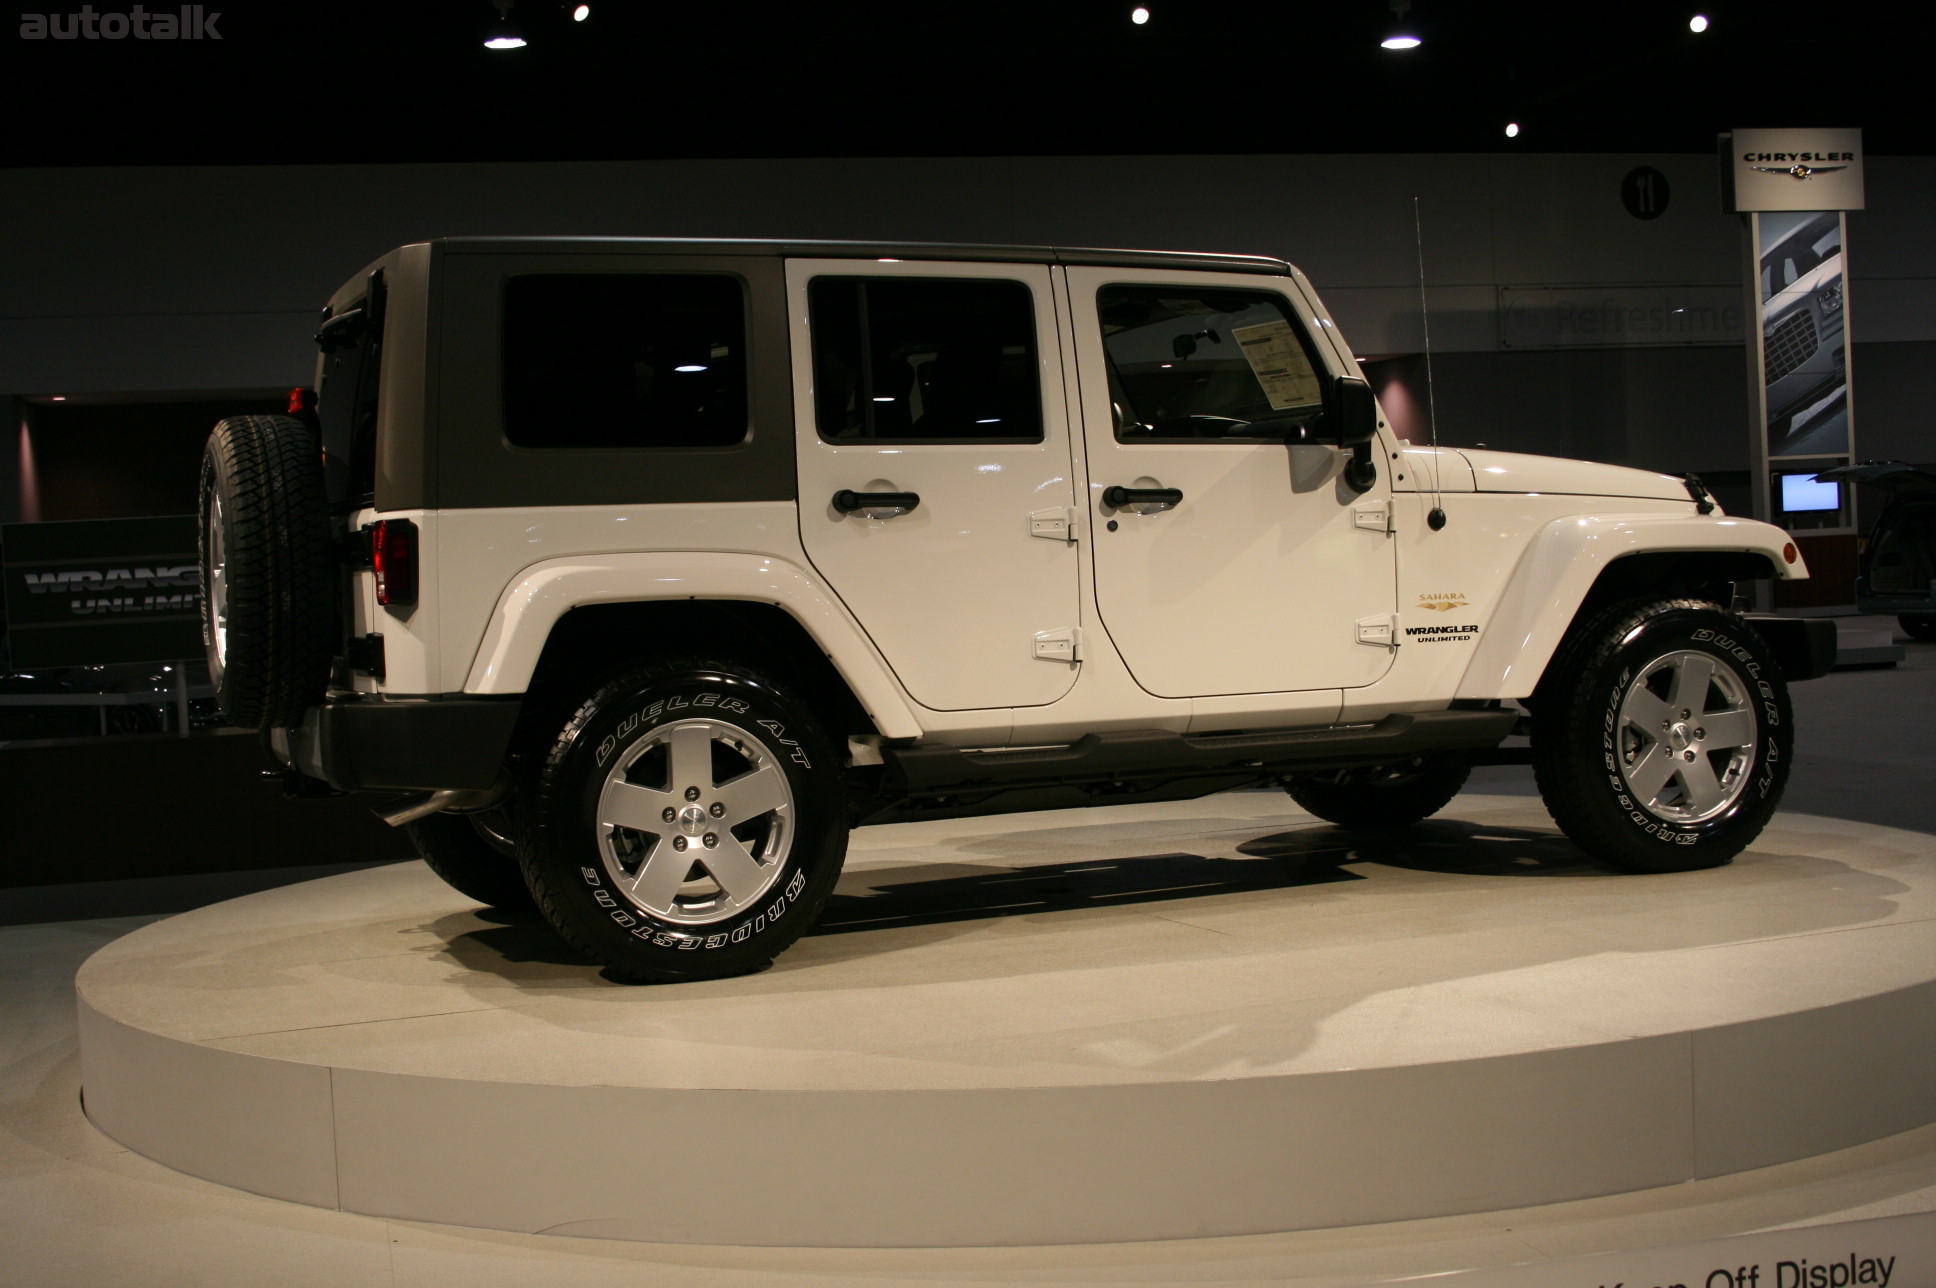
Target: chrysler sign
[[1796, 169]]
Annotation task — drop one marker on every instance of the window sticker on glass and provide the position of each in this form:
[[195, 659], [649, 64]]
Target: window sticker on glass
[[1278, 361]]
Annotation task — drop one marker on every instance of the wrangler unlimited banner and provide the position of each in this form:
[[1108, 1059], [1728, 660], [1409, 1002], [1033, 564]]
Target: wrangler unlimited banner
[[98, 591]]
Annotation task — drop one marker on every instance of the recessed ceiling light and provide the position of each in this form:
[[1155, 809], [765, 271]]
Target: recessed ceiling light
[[503, 34], [581, 12], [1139, 15], [1512, 129], [1403, 35], [1698, 23]]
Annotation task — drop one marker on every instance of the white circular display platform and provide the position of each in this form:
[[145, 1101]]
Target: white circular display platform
[[1152, 1021]]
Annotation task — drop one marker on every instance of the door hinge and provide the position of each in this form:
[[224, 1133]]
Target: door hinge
[[1373, 515], [1058, 524], [365, 653], [1379, 630], [1064, 645]]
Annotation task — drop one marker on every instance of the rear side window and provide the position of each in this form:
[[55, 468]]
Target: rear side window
[[346, 406], [1189, 362], [616, 360], [919, 359]]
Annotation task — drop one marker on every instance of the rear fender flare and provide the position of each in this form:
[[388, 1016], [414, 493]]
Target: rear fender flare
[[532, 605]]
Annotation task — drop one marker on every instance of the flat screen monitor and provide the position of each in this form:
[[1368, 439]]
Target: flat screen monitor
[[1804, 493]]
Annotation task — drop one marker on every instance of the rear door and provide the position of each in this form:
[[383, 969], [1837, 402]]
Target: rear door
[[934, 464]]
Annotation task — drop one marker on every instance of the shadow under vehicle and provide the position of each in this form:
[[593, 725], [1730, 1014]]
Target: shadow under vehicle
[[1897, 570]]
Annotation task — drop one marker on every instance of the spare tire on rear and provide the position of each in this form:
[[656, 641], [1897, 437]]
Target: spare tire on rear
[[269, 603]]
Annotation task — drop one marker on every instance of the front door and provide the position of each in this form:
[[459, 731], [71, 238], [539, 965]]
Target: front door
[[1235, 563], [935, 480]]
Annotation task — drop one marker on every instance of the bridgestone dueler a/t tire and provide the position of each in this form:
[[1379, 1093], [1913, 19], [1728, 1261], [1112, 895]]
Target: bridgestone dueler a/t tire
[[1666, 683], [1383, 796], [687, 823], [269, 619]]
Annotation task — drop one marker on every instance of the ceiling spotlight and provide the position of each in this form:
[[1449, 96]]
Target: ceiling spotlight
[[580, 12], [1697, 24], [1402, 35], [1139, 15], [1512, 129], [503, 34]]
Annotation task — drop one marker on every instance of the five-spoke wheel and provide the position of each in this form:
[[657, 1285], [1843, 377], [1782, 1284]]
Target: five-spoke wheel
[[1687, 736], [687, 822], [695, 822], [1662, 735]]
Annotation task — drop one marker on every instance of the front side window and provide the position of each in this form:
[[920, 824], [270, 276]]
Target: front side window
[[624, 360], [917, 359], [1192, 362]]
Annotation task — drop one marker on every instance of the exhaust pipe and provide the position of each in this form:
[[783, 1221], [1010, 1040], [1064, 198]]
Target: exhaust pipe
[[408, 809]]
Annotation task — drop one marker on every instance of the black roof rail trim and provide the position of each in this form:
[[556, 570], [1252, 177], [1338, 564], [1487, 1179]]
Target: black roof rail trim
[[1085, 256]]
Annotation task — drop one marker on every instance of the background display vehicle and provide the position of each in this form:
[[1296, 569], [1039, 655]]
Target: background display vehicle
[[1896, 573], [1806, 354], [647, 569]]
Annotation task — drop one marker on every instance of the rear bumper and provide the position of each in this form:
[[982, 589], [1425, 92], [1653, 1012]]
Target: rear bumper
[[1910, 603], [406, 744]]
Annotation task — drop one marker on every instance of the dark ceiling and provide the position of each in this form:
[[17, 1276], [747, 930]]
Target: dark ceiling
[[409, 80]]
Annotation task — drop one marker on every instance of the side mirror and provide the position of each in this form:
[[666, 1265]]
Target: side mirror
[[1351, 418]]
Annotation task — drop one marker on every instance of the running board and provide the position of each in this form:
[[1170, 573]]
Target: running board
[[932, 770]]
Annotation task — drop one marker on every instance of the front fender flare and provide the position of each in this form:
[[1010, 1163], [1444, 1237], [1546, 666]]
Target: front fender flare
[[1560, 565], [530, 607]]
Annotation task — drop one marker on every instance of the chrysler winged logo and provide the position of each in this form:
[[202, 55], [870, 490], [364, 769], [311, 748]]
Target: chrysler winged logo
[[1800, 171]]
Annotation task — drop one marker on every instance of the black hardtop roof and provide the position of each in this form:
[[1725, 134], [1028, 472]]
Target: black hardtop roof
[[868, 250]]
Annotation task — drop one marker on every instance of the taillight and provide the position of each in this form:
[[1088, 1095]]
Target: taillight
[[393, 556], [301, 401]]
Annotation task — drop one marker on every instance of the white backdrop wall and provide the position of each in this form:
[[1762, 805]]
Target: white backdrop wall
[[154, 279]]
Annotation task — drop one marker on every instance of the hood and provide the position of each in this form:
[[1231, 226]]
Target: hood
[[1897, 476], [1517, 472]]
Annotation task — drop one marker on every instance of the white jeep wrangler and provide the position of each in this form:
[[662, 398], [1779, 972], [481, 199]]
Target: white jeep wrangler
[[650, 568]]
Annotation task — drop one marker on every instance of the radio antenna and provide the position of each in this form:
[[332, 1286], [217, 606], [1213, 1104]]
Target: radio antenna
[[1436, 519]]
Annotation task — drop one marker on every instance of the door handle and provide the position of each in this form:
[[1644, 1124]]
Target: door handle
[[847, 501], [1157, 498]]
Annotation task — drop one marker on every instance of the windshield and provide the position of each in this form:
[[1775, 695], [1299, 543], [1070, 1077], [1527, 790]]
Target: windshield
[[1800, 253]]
